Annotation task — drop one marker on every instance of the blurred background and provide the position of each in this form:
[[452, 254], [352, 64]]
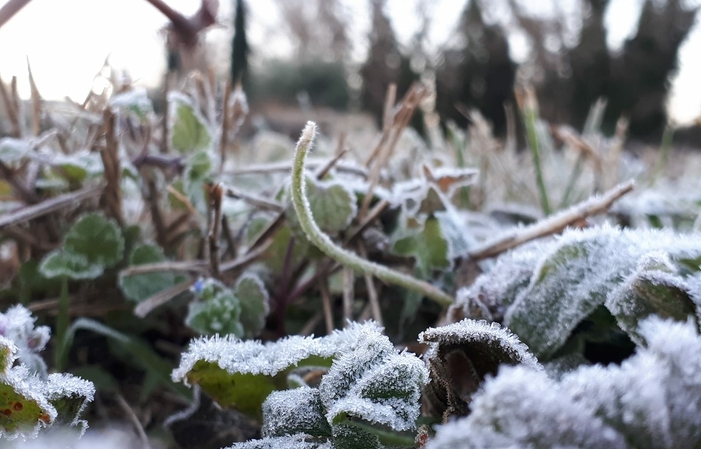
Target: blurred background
[[340, 55]]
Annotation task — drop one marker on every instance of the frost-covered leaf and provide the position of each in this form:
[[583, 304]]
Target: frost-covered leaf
[[23, 407], [461, 356], [577, 274], [299, 441], [216, 311], [333, 205], [68, 395], [142, 286], [652, 400], [17, 325], [13, 150], [655, 288], [241, 374], [78, 166], [189, 131], [298, 410], [97, 238], [425, 241], [490, 295], [134, 101], [8, 354], [253, 298], [448, 180], [522, 408], [60, 263], [375, 384], [350, 436]]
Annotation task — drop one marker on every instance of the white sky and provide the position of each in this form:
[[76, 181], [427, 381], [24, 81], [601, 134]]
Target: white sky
[[67, 41]]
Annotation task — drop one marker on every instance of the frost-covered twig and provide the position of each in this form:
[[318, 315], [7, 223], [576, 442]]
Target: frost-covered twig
[[11, 8], [48, 206], [324, 243], [145, 307], [254, 200], [551, 225]]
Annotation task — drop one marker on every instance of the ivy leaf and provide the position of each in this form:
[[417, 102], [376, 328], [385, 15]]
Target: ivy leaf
[[425, 242], [189, 132], [61, 263], [253, 299], [217, 310], [461, 356], [333, 205], [142, 286], [295, 411], [97, 238]]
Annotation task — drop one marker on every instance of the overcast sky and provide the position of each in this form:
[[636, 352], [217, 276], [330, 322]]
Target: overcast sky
[[67, 40]]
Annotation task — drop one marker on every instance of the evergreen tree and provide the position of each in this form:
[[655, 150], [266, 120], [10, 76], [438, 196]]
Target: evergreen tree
[[239, 47]]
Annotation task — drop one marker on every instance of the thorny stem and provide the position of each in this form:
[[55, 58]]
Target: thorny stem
[[324, 243]]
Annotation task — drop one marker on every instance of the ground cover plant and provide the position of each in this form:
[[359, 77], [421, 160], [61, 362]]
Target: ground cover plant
[[179, 271]]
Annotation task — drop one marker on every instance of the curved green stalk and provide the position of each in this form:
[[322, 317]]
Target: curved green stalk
[[342, 256]]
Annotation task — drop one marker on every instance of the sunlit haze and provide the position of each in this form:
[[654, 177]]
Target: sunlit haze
[[67, 41]]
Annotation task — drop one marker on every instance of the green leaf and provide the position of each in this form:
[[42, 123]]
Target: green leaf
[[97, 238], [78, 166], [142, 286], [60, 263], [375, 384], [23, 409], [216, 311], [349, 436], [8, 351], [655, 288], [134, 101], [189, 131], [68, 395], [461, 356], [584, 270], [299, 441], [333, 206], [253, 299], [13, 150], [425, 242], [242, 374], [295, 411]]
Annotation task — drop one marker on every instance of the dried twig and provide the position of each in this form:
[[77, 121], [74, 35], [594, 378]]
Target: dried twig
[[12, 114], [551, 225], [348, 295], [10, 8], [215, 203], [254, 200], [285, 167], [112, 197], [224, 136], [373, 299], [134, 420], [49, 206], [36, 102], [326, 302], [145, 307], [192, 266]]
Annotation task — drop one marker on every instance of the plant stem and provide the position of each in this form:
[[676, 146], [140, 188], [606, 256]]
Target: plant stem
[[61, 325], [530, 119], [342, 256]]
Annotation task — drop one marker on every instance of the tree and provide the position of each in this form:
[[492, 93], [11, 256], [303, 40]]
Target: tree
[[239, 47], [477, 72]]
